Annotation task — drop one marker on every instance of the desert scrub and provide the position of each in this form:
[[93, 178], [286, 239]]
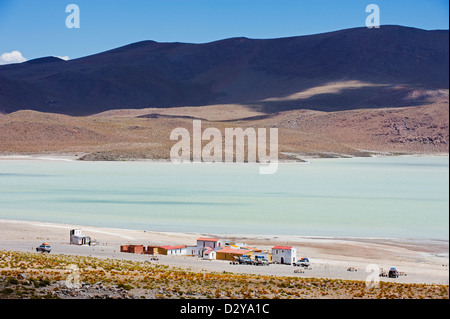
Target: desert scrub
[[161, 281], [12, 281], [124, 286]]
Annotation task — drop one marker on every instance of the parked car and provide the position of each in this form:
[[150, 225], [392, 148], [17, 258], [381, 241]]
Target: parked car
[[44, 248], [303, 262], [261, 261], [393, 273]]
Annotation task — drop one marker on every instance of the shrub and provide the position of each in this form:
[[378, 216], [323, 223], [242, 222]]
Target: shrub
[[12, 281]]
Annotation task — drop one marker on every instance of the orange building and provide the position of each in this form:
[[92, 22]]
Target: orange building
[[232, 254]]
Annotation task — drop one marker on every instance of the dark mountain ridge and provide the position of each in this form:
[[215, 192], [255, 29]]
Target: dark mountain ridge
[[391, 64]]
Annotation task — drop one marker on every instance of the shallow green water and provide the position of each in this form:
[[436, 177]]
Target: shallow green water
[[402, 197]]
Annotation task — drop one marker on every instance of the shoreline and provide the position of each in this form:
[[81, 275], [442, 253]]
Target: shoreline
[[300, 157], [330, 256], [255, 238]]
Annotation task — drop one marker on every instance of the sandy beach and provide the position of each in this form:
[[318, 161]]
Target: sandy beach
[[423, 261]]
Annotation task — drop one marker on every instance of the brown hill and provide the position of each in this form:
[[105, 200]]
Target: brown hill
[[302, 133]]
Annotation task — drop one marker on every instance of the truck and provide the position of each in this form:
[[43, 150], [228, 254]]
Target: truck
[[261, 261], [245, 260]]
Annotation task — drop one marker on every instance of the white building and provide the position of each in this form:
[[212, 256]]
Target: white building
[[77, 238], [205, 246], [214, 243], [193, 251], [173, 250], [284, 254], [209, 254]]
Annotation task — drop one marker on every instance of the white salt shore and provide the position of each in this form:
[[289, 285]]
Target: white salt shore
[[423, 262]]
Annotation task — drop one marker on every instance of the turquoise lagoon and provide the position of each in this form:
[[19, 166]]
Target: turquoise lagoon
[[380, 197]]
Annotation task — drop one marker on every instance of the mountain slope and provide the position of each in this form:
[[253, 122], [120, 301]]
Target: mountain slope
[[348, 69], [303, 133]]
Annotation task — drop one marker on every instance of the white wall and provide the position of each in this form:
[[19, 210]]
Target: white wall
[[211, 255], [194, 250], [216, 245], [178, 251], [78, 240]]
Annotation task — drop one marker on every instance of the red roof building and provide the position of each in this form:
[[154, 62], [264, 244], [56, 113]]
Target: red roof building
[[284, 254], [172, 250], [231, 253], [168, 247], [207, 239], [282, 247], [214, 243]]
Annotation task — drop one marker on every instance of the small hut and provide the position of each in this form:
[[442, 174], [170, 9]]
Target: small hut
[[77, 238]]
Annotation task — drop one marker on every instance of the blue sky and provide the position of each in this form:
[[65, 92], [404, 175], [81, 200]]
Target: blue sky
[[37, 28]]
